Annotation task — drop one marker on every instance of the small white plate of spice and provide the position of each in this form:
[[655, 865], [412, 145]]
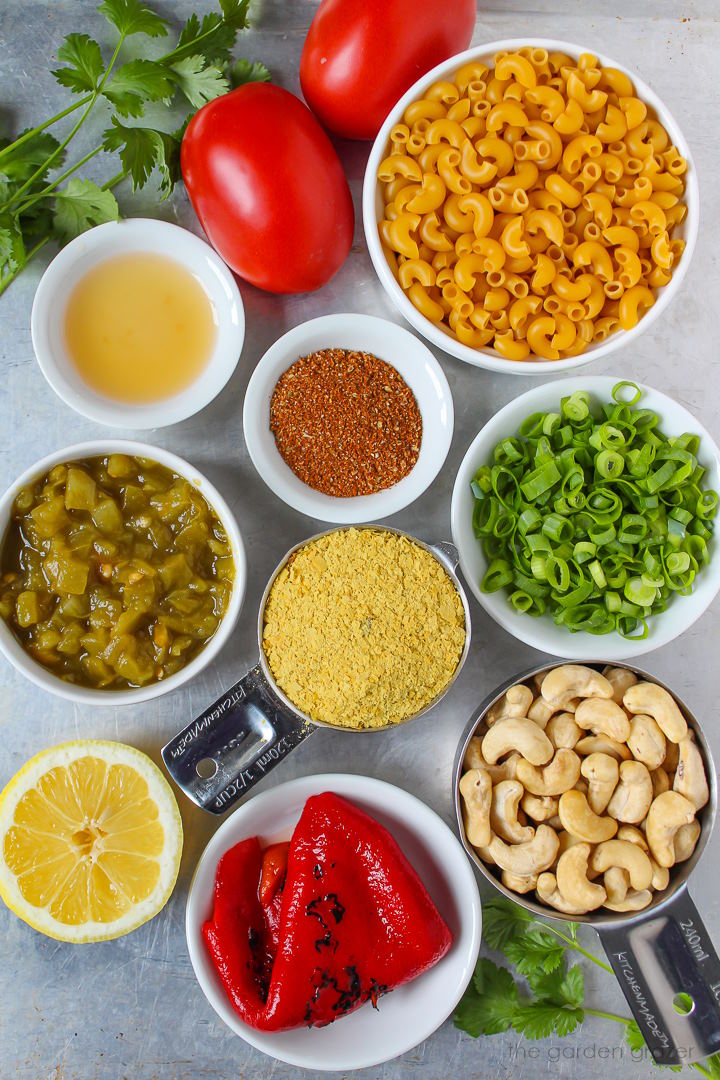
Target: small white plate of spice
[[348, 418]]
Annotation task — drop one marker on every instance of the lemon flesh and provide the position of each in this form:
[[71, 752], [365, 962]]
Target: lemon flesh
[[90, 841]]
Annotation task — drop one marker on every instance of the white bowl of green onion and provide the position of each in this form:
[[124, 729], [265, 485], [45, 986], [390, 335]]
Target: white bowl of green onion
[[584, 513]]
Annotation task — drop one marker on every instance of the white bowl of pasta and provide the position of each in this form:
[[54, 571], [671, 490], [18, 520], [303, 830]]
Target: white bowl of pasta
[[529, 208]]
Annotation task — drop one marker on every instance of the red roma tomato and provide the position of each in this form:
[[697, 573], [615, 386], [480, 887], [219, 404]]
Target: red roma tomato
[[360, 56], [268, 188]]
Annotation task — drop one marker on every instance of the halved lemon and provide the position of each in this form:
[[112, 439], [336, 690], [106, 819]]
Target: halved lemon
[[90, 841]]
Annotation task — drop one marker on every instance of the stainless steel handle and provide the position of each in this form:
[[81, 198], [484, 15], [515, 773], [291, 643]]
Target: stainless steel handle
[[233, 744], [447, 553], [658, 957]]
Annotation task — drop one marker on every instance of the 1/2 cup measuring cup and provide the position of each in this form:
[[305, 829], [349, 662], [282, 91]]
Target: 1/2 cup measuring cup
[[657, 953], [238, 739]]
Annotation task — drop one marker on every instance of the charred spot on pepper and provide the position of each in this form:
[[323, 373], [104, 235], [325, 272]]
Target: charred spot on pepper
[[328, 905], [317, 871], [376, 991]]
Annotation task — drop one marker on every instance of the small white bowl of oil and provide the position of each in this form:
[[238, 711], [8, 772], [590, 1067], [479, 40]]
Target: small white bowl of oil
[[137, 324]]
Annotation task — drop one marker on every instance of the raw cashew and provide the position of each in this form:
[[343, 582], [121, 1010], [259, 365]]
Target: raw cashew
[[667, 814], [567, 840], [548, 892], [562, 731], [616, 882], [635, 900], [476, 790], [633, 835], [540, 712], [600, 744], [582, 785], [627, 855], [474, 759], [603, 716], [646, 741], [504, 812], [539, 807], [660, 876], [560, 775], [528, 858], [686, 839], [515, 702], [572, 879], [563, 684], [620, 678], [660, 780], [517, 733], [649, 698], [671, 757], [577, 818], [632, 797], [601, 772], [690, 779], [518, 883]]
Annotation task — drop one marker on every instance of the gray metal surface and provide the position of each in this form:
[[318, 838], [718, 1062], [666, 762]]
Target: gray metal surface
[[132, 1008]]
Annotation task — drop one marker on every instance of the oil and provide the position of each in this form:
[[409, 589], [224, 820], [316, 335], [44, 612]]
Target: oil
[[140, 328]]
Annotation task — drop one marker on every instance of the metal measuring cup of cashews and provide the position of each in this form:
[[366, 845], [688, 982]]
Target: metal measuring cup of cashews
[[241, 737], [588, 792]]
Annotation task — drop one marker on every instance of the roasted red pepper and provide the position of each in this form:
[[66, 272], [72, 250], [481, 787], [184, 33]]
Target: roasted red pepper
[[352, 921]]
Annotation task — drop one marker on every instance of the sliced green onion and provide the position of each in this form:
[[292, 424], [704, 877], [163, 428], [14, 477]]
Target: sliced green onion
[[594, 515]]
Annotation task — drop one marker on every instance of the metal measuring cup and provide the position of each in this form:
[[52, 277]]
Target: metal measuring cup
[[657, 953], [243, 735]]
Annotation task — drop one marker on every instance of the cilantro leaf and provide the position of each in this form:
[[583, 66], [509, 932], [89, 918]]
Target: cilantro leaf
[[132, 17], [137, 82], [198, 82], [235, 13], [80, 205], [143, 149], [492, 999], [85, 61], [469, 1016], [12, 248], [19, 164], [503, 921], [558, 987], [244, 71], [212, 38], [539, 1019], [215, 36], [537, 949]]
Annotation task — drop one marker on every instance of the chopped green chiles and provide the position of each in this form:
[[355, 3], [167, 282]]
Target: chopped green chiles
[[596, 519]]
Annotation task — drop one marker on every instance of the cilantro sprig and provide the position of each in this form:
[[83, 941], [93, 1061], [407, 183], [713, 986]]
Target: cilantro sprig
[[553, 1003], [41, 196]]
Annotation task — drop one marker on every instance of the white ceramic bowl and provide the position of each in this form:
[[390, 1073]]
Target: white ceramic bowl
[[41, 676], [541, 632], [123, 238], [397, 347], [409, 1014], [486, 357]]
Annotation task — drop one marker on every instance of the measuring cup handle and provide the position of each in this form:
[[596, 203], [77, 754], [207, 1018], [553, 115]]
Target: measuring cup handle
[[658, 956], [217, 758]]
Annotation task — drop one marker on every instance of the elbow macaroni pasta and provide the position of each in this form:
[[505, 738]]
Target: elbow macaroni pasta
[[530, 207]]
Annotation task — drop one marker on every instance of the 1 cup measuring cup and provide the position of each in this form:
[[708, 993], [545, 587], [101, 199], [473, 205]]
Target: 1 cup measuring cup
[[238, 739], [658, 953]]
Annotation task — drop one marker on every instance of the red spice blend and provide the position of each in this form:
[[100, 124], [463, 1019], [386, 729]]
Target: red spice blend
[[345, 422]]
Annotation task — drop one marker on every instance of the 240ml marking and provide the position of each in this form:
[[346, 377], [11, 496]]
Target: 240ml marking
[[694, 940]]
